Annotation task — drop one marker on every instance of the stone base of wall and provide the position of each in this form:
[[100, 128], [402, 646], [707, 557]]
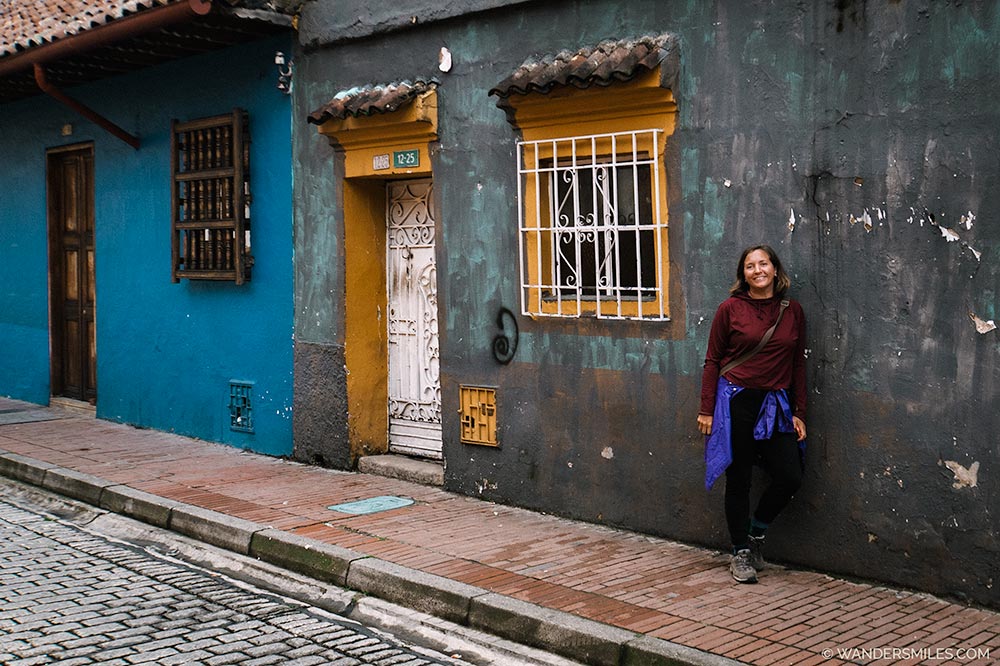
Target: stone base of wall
[[319, 426]]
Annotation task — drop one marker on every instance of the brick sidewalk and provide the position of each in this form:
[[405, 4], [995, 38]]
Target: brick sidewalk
[[636, 582]]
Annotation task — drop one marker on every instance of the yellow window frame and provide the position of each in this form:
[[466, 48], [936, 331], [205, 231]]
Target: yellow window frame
[[594, 121]]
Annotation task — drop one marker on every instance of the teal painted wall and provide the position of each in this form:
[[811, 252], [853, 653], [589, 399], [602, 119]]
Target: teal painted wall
[[166, 352], [23, 271], [854, 137]]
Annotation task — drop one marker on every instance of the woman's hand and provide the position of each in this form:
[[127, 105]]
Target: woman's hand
[[800, 427], [705, 424]]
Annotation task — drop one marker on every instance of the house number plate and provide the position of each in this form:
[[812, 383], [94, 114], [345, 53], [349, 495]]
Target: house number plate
[[404, 159], [380, 162]]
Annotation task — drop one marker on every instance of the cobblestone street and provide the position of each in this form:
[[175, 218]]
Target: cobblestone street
[[74, 598]]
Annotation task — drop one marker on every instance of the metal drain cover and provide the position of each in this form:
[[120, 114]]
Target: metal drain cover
[[372, 505]]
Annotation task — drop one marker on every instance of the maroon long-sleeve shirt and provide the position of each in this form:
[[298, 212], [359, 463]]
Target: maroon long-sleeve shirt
[[738, 327]]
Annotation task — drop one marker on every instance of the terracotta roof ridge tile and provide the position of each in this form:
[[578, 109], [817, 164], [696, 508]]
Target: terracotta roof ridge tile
[[609, 61], [371, 99]]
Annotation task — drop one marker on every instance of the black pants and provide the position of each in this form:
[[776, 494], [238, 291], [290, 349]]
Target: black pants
[[779, 456]]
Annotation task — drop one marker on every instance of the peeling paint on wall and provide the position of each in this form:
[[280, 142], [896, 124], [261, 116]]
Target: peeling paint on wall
[[948, 234], [982, 327], [964, 477], [864, 218], [483, 485], [967, 220], [888, 473]]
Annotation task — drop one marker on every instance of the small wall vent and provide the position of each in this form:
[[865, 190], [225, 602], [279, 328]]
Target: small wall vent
[[240, 406]]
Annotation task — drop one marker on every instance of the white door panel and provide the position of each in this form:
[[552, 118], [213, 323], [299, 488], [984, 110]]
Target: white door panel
[[414, 356]]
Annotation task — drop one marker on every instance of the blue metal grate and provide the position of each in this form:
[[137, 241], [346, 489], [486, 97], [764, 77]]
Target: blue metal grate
[[241, 406]]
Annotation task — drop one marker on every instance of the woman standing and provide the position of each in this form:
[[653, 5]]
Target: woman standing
[[753, 401]]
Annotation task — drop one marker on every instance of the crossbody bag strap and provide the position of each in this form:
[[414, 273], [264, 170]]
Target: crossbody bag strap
[[760, 345]]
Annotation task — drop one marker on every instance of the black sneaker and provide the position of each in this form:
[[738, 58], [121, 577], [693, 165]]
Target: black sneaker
[[740, 567], [756, 552]]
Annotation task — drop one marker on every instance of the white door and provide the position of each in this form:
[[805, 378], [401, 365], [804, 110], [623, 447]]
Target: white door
[[414, 357]]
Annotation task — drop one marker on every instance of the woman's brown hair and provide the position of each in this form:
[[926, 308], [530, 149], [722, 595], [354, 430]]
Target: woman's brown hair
[[781, 280]]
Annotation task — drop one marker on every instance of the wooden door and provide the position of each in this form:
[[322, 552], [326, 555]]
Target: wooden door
[[71, 273], [414, 356]]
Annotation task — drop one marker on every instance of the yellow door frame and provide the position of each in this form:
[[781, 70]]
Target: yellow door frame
[[377, 148]]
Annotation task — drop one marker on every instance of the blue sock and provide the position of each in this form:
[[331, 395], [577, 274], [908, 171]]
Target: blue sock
[[757, 528]]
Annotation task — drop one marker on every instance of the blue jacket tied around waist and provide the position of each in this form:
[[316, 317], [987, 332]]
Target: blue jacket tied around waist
[[775, 413]]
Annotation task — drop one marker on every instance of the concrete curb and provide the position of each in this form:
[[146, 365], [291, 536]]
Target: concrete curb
[[23, 468], [569, 635], [434, 595], [648, 651], [213, 527], [149, 508], [311, 558], [70, 483], [563, 633]]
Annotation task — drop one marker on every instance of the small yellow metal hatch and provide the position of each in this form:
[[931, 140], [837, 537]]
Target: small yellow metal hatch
[[478, 410]]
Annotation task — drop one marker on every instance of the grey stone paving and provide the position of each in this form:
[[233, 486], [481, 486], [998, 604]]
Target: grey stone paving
[[73, 598]]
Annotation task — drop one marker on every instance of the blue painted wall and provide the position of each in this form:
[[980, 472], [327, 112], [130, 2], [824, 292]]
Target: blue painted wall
[[24, 337], [165, 352]]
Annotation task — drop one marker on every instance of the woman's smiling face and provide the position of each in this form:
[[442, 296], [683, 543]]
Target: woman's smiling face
[[758, 271]]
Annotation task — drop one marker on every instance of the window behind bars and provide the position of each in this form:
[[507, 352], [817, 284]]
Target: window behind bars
[[210, 198], [591, 235]]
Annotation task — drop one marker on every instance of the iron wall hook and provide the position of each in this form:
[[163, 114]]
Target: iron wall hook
[[505, 347]]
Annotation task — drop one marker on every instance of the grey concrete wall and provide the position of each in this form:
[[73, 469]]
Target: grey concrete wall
[[859, 139], [320, 405], [319, 424], [328, 21]]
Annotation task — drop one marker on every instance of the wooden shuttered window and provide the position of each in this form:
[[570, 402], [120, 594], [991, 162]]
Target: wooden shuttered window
[[210, 198]]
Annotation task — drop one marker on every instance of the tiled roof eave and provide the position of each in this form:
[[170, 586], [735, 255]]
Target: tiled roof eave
[[31, 25], [371, 100], [27, 25], [576, 82], [607, 63]]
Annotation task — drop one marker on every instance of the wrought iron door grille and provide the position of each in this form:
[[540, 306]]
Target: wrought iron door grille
[[478, 410], [591, 236], [210, 198], [241, 406]]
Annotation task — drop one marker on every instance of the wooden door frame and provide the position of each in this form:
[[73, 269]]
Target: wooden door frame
[[55, 272]]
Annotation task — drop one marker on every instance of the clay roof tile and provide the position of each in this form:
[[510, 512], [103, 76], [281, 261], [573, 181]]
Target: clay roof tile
[[372, 99], [609, 61], [25, 25]]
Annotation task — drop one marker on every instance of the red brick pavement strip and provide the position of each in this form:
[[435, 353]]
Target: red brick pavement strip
[[640, 583]]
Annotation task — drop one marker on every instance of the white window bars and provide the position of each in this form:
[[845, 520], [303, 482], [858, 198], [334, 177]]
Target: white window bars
[[592, 239]]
